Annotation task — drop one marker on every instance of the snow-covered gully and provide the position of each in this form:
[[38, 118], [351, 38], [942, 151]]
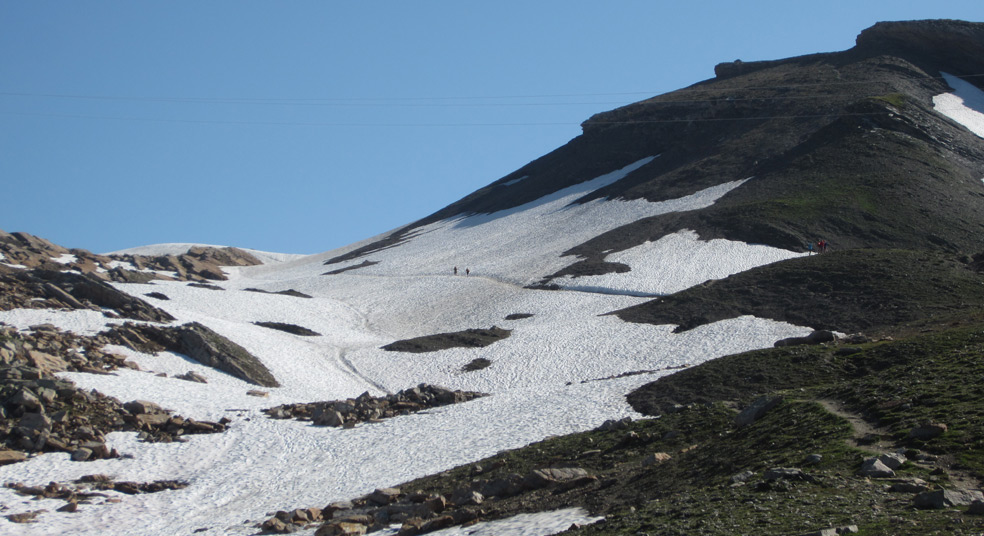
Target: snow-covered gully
[[538, 377]]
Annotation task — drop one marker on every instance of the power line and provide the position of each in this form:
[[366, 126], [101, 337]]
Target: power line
[[402, 99], [422, 125]]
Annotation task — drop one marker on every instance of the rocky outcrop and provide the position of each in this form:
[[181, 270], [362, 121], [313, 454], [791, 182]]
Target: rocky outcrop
[[50, 289], [88, 489], [201, 344], [39, 413], [469, 338], [419, 512], [293, 329], [199, 263], [288, 292], [367, 408]]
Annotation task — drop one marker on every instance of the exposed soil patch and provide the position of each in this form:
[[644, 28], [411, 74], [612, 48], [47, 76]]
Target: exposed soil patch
[[289, 328], [470, 338]]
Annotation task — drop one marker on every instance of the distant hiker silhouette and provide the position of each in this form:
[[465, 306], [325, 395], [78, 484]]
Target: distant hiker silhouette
[[821, 246], [455, 270], [467, 271], [809, 247]]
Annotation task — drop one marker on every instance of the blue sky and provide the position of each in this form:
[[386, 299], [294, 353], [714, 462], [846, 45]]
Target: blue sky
[[303, 126]]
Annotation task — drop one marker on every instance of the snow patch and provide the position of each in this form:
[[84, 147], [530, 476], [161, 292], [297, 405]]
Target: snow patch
[[65, 258], [514, 181], [965, 105], [676, 262], [539, 524]]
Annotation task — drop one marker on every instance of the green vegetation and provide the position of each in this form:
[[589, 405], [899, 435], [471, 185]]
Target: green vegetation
[[889, 385], [895, 99]]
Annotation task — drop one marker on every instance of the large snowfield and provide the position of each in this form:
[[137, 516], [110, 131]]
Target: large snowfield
[[537, 380]]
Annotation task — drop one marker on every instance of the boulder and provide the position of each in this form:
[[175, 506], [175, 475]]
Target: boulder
[[209, 348], [817, 337], [34, 422], [928, 430], [11, 456], [46, 362], [892, 461], [786, 473], [757, 409], [507, 486], [875, 468], [943, 498], [136, 407], [467, 497], [909, 485], [341, 529], [192, 376], [24, 397], [383, 496]]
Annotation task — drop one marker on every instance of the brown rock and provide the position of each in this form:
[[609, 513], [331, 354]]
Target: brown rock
[[34, 422], [46, 362], [11, 456], [26, 517], [341, 529], [383, 496], [137, 407]]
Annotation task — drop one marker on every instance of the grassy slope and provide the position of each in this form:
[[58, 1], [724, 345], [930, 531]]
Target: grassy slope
[[847, 291], [894, 384]]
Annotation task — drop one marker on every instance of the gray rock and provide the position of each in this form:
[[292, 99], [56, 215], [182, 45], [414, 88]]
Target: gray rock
[[192, 376], [757, 409], [507, 486], [785, 473], [383, 496], [742, 477], [467, 497], [323, 416], [137, 407], [833, 531], [34, 422], [943, 498], [209, 348], [81, 455], [909, 485], [26, 398], [874, 468], [892, 461]]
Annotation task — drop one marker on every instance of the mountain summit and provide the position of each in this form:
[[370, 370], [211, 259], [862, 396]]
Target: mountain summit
[[849, 146]]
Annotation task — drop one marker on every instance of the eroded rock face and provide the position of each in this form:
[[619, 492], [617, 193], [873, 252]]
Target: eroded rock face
[[201, 344], [51, 289]]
